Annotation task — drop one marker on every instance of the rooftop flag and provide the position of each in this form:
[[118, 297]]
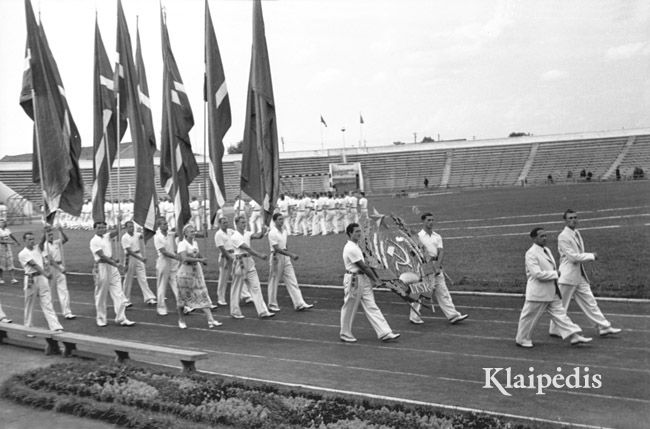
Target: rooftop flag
[[260, 174]]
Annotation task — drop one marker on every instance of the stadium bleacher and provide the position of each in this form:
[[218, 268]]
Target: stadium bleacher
[[386, 170]]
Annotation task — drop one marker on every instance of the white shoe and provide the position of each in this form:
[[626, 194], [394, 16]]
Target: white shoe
[[577, 339], [127, 322], [527, 344], [610, 330], [390, 337], [458, 318], [182, 324], [70, 316], [348, 339], [214, 324]]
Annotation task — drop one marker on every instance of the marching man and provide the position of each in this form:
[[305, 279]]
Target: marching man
[[36, 284], [166, 265], [53, 252], [282, 268], [135, 265], [256, 216], [358, 282]]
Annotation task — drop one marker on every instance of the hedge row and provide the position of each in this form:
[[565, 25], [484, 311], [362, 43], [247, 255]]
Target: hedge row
[[144, 398]]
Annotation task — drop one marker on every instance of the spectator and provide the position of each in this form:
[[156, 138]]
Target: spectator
[[618, 173], [583, 173], [426, 182], [549, 179], [569, 175], [589, 176], [638, 173]]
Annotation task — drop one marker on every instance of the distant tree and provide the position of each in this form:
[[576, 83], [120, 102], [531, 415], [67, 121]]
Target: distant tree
[[519, 134], [237, 148], [398, 143], [427, 139]]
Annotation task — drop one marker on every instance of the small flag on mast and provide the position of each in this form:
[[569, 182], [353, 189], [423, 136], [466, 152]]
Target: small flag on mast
[[322, 121]]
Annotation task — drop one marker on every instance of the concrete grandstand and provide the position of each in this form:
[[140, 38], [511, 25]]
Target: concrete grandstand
[[395, 168]]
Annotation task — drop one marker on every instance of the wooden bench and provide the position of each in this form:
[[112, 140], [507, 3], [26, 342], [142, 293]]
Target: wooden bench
[[123, 348], [23, 333]]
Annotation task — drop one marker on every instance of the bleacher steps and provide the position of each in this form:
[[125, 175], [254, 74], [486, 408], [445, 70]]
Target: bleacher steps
[[529, 163], [446, 171], [612, 168]]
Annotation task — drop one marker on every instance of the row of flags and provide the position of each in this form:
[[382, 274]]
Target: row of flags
[[322, 121], [121, 100]]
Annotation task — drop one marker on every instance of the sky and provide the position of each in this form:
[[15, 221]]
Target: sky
[[412, 68]]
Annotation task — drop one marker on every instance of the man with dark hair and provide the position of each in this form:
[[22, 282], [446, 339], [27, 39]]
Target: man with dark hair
[[281, 267], [358, 281], [106, 273], [433, 250], [36, 283], [132, 242], [573, 282], [543, 295]]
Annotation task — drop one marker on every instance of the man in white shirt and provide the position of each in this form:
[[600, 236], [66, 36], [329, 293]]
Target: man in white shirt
[[358, 281], [256, 220], [226, 258], [284, 207], [433, 250], [244, 271], [166, 265], [53, 253], [36, 283], [317, 219], [330, 224], [353, 213], [573, 282], [195, 219], [543, 295], [363, 208], [135, 261], [281, 267], [106, 273]]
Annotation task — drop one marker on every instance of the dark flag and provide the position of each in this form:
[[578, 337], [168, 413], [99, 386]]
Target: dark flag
[[322, 121], [360, 119], [144, 208], [219, 117], [260, 174], [104, 126], [177, 164], [56, 138]]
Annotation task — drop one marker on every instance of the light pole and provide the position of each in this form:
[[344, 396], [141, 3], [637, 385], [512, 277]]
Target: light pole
[[343, 152]]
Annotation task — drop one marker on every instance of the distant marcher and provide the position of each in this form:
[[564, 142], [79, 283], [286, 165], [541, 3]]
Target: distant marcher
[[281, 267], [573, 281], [434, 252], [543, 295], [36, 284], [225, 259], [426, 182], [358, 281], [3, 316], [106, 274], [192, 291], [53, 252], [7, 240]]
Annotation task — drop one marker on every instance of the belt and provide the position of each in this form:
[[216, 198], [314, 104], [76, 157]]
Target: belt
[[32, 275], [59, 262], [230, 251], [245, 255], [350, 272]]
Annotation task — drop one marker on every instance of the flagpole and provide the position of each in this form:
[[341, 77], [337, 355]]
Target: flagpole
[[38, 155], [205, 172], [322, 142], [360, 131]]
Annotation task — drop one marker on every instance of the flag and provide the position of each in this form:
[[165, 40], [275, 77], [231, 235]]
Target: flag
[[219, 116], [104, 126], [322, 121], [144, 208], [56, 138], [360, 119], [177, 164], [260, 174]]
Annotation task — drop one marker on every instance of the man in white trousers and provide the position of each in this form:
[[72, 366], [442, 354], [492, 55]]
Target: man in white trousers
[[166, 265], [431, 243], [574, 282], [244, 271], [131, 243], [36, 285], [358, 281], [106, 273], [281, 267], [543, 295], [256, 220], [226, 258], [53, 252]]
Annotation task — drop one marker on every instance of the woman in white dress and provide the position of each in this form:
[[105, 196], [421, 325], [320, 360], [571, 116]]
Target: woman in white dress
[[192, 291], [7, 240]]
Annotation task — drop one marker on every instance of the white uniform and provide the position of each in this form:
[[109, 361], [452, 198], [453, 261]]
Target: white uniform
[[36, 285], [432, 244], [363, 209], [255, 221], [245, 273], [58, 280], [330, 224], [301, 217], [317, 220], [107, 280], [166, 269], [135, 268], [358, 289], [281, 268], [196, 218], [222, 238], [283, 206], [353, 213]]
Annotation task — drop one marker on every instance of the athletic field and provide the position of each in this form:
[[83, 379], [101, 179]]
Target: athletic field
[[436, 363]]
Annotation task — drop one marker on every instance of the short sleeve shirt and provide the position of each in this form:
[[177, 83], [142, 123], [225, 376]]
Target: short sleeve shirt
[[351, 254], [238, 239], [278, 237], [131, 241], [432, 243], [224, 239], [53, 249], [27, 255], [102, 243], [161, 241], [191, 248]]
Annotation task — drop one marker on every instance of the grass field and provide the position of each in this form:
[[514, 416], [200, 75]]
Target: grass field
[[486, 236]]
